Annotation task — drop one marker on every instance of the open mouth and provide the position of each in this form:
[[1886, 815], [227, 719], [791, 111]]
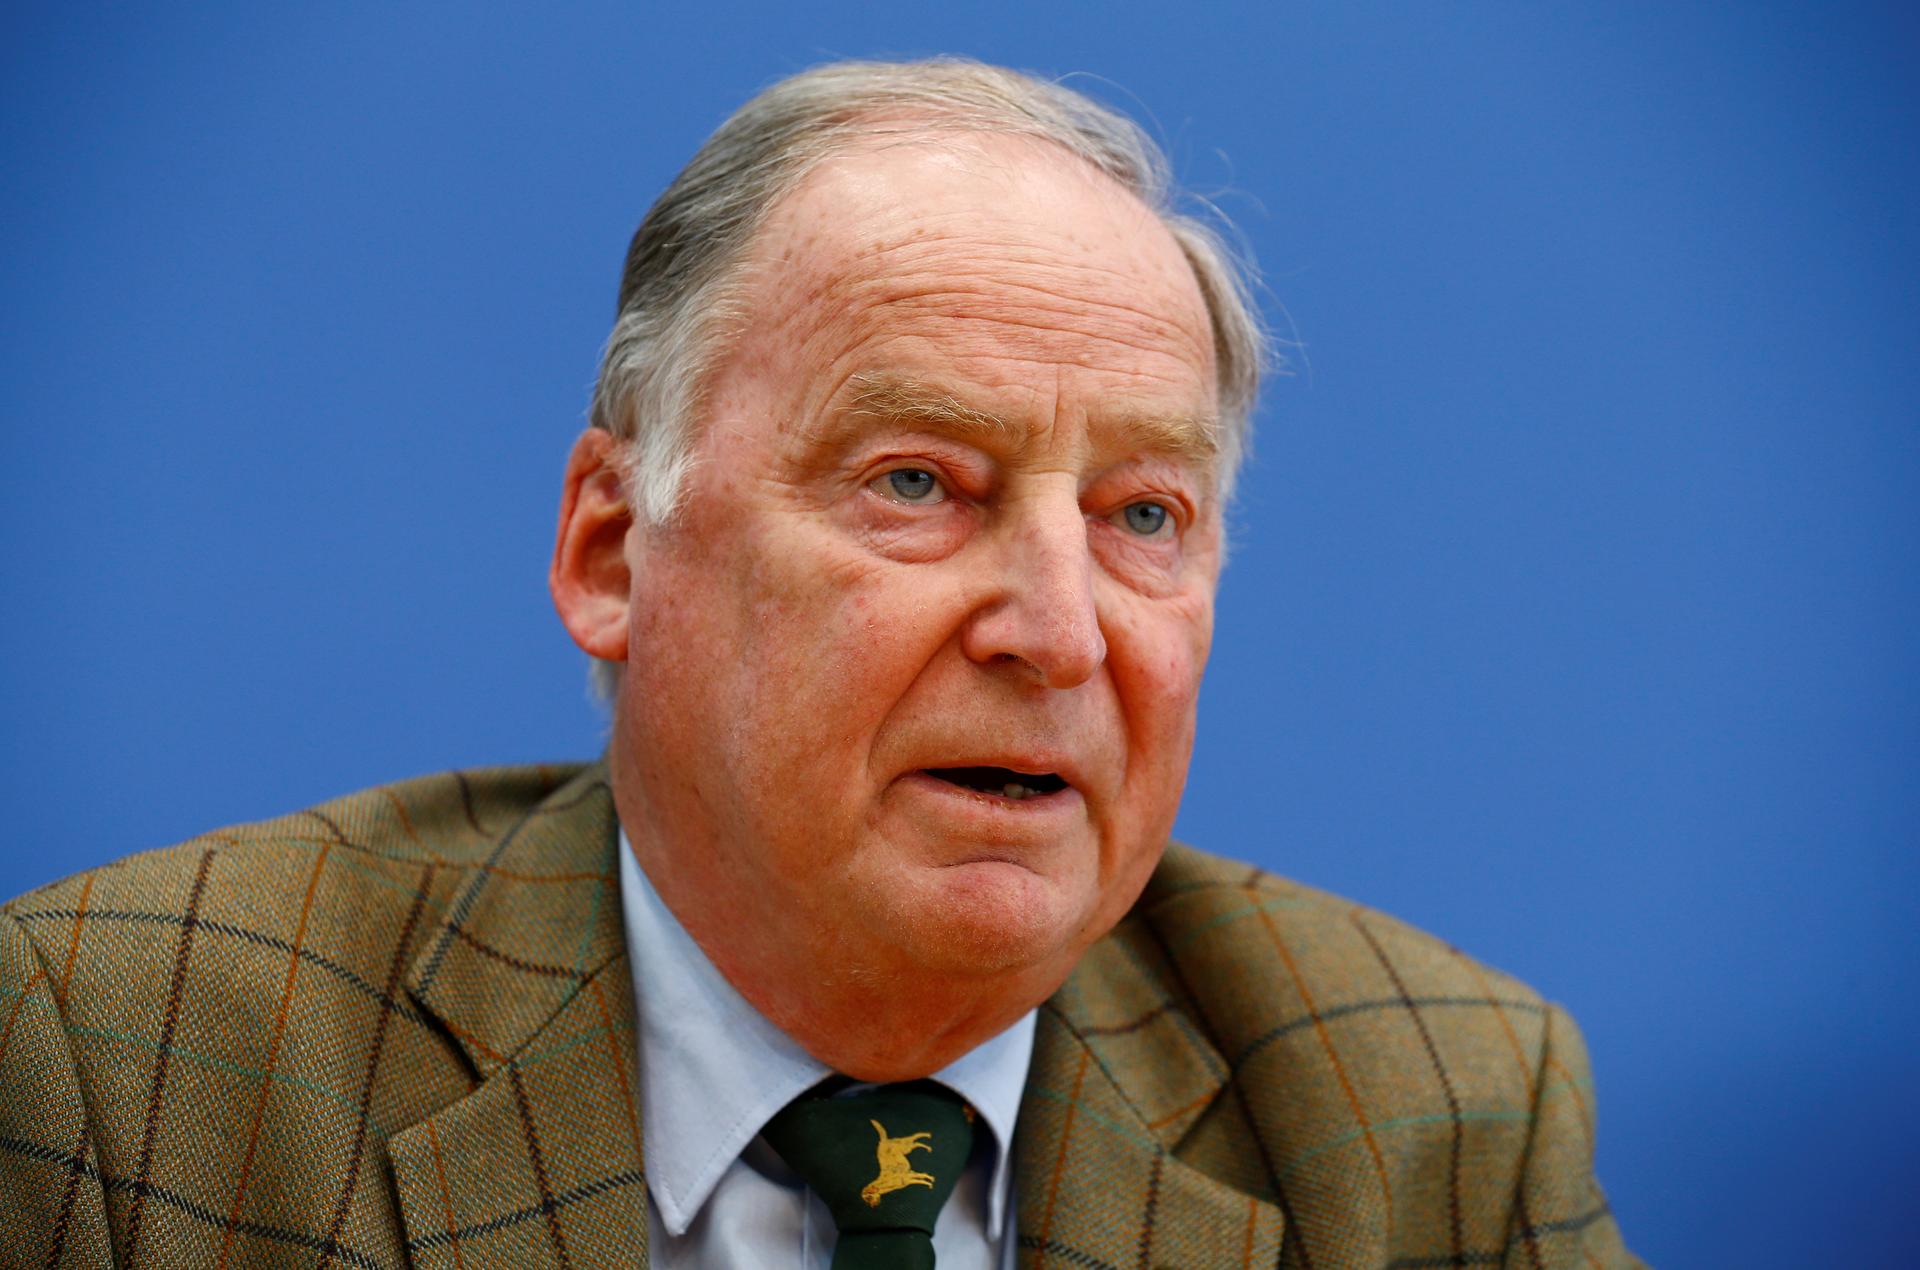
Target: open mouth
[[1002, 782]]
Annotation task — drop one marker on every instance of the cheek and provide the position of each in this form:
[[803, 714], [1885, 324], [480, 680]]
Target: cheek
[[1156, 658], [1164, 732], [831, 646], [812, 630]]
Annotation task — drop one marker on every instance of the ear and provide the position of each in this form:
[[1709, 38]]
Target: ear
[[589, 577]]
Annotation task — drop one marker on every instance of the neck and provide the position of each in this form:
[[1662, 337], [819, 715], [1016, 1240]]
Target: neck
[[853, 1008], [881, 1027]]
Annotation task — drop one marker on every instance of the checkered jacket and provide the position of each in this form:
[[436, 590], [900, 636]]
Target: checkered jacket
[[397, 1029]]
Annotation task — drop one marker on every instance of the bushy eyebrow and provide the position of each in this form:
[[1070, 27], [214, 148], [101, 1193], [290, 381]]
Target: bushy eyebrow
[[900, 401], [893, 400]]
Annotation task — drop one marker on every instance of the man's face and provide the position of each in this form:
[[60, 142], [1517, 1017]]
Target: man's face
[[911, 679]]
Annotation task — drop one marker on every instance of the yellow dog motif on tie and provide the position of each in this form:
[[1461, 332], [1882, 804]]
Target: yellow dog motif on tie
[[895, 1172]]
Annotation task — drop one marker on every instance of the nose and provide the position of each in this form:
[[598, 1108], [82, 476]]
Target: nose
[[1040, 611]]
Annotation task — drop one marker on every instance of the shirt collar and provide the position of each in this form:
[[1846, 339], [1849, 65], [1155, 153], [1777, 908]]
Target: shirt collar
[[713, 1070]]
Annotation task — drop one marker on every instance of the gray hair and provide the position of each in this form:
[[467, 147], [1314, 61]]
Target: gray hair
[[679, 293]]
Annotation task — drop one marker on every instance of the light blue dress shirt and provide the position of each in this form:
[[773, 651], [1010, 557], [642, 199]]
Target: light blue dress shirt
[[713, 1070]]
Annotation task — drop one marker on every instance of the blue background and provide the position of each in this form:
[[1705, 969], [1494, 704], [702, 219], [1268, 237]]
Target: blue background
[[1573, 601]]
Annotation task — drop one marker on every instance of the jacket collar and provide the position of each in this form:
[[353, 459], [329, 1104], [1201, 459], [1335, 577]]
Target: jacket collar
[[542, 1162], [529, 923], [1123, 1071]]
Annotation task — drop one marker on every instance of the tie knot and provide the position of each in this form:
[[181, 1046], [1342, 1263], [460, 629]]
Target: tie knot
[[884, 1161]]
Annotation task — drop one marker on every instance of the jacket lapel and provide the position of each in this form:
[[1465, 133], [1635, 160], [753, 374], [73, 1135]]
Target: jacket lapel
[[1120, 1073], [541, 1163]]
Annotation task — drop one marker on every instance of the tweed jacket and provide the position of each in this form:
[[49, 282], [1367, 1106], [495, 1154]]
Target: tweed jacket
[[397, 1029]]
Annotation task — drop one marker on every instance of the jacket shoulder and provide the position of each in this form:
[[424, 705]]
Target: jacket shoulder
[[1301, 988], [219, 1033], [1224, 975], [1392, 1094], [327, 886], [446, 818], [1235, 911]]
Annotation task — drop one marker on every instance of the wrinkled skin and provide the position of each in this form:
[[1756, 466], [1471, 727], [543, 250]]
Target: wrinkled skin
[[856, 592]]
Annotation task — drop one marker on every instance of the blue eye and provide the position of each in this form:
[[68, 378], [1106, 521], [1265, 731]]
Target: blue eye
[[1145, 519], [914, 485]]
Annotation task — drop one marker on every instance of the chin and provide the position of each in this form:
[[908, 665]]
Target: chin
[[992, 918]]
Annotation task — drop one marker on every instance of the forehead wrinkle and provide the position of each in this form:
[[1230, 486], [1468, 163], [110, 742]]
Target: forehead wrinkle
[[1096, 299], [900, 400], [1108, 321], [918, 249], [1092, 335], [1038, 335], [934, 274]]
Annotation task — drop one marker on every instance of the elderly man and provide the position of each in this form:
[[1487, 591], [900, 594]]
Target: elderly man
[[896, 537]]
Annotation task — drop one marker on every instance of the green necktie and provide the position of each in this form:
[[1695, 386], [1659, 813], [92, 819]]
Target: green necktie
[[884, 1160]]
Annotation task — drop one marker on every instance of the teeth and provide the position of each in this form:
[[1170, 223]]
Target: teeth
[[1016, 791]]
